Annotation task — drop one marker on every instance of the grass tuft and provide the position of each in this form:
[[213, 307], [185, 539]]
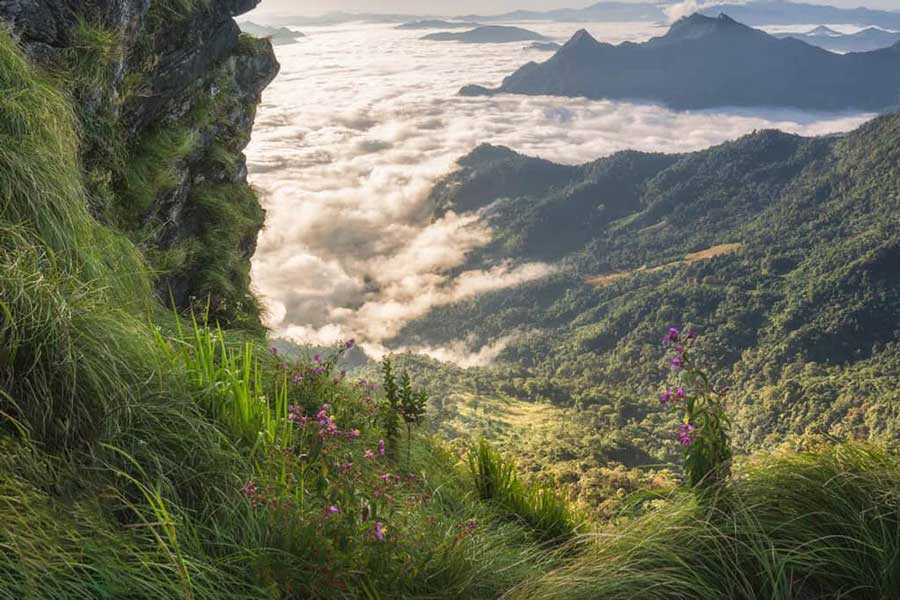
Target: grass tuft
[[818, 525], [536, 505]]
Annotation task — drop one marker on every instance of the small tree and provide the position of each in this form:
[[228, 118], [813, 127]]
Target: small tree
[[705, 430], [390, 408], [412, 408], [401, 402]]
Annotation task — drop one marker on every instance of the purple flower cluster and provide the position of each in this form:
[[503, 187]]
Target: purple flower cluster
[[470, 526], [675, 339], [668, 394], [379, 531], [370, 454], [249, 490], [326, 422], [296, 416], [686, 434], [388, 478]]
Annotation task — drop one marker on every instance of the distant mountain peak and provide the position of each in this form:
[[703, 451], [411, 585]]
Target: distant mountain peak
[[822, 30], [580, 42], [698, 20], [698, 26], [580, 36]]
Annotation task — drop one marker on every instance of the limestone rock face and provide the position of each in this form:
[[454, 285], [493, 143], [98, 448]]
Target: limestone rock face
[[167, 65]]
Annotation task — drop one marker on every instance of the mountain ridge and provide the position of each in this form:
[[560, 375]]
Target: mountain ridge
[[488, 34], [600, 11], [704, 62], [866, 40], [780, 12]]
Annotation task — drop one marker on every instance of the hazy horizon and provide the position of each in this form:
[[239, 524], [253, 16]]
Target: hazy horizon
[[457, 7]]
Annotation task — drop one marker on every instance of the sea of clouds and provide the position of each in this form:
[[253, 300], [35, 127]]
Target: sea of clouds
[[361, 122]]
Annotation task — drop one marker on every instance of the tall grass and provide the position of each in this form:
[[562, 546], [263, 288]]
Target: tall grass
[[93, 61], [70, 359], [231, 385], [536, 505], [814, 526], [41, 185], [77, 355]]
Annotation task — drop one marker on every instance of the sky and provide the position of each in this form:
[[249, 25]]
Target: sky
[[451, 7]]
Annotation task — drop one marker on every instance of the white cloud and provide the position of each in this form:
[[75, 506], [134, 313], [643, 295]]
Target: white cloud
[[689, 7], [360, 124]]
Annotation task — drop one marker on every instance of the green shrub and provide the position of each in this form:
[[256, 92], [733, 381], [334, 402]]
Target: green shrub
[[401, 403], [390, 406]]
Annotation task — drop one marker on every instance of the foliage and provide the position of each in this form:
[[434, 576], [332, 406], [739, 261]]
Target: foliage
[[402, 403], [536, 505], [390, 407], [127, 448], [218, 267], [152, 171], [146, 459], [412, 407]]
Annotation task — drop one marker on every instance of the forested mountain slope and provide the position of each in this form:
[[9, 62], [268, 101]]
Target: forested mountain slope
[[783, 250]]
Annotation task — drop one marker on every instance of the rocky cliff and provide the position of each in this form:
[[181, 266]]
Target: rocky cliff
[[166, 93]]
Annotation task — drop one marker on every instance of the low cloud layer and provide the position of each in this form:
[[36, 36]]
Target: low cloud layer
[[360, 124]]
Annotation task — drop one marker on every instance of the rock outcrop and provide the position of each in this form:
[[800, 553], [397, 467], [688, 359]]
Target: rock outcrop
[[142, 74]]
